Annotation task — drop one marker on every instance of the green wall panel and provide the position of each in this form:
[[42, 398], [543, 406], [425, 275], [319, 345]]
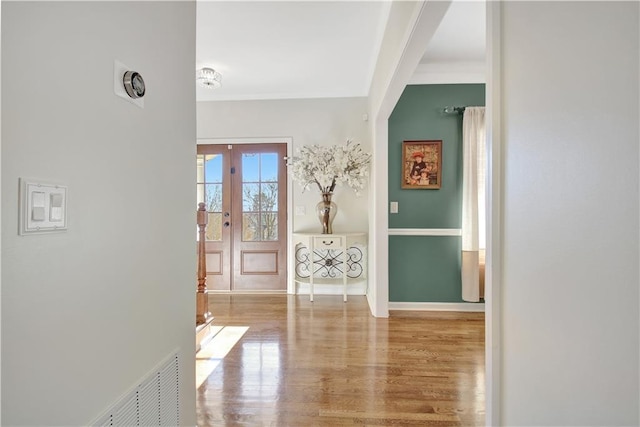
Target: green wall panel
[[418, 116], [424, 269]]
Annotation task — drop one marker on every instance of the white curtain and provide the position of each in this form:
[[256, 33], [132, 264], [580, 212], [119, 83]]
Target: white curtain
[[473, 200]]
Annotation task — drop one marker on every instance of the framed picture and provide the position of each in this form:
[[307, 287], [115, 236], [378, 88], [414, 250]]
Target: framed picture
[[421, 164]]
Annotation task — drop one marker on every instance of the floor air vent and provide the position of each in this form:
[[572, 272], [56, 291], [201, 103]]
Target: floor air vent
[[155, 402]]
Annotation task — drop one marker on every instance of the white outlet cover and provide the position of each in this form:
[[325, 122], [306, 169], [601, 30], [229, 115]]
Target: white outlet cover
[[118, 86]]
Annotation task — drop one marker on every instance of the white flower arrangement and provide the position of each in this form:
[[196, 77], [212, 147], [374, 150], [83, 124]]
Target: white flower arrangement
[[327, 166]]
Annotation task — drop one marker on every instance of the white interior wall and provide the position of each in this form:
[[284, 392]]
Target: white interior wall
[[324, 121], [0, 222], [87, 312], [570, 280]]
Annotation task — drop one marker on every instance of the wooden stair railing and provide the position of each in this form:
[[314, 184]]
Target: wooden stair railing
[[202, 294]]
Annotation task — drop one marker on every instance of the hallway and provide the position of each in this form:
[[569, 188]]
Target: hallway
[[330, 363]]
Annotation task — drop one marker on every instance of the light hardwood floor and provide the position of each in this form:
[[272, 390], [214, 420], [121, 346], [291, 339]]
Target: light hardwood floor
[[330, 363]]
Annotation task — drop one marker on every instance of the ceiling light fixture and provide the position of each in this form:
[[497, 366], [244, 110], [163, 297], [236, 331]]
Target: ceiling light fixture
[[209, 78]]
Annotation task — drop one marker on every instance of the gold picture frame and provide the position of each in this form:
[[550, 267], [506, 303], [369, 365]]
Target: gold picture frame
[[422, 165]]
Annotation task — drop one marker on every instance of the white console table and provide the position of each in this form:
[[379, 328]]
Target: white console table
[[329, 256]]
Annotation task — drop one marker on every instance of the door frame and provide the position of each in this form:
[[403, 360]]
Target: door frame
[[423, 23], [269, 140]]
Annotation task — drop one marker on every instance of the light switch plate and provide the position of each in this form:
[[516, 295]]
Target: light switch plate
[[393, 207], [42, 206]]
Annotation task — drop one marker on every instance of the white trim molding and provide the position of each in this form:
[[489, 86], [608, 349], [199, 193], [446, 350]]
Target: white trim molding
[[438, 306], [424, 232], [251, 140], [384, 94], [494, 187], [449, 73], [358, 288]]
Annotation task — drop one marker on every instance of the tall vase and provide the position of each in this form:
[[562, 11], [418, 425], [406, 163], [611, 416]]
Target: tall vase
[[326, 212]]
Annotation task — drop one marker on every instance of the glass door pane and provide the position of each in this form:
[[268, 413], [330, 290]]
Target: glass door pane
[[209, 191], [259, 196]]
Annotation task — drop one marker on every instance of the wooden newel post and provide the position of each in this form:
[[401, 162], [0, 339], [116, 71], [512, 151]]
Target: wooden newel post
[[202, 294]]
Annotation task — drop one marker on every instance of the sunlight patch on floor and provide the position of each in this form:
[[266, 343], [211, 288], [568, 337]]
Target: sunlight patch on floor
[[211, 354]]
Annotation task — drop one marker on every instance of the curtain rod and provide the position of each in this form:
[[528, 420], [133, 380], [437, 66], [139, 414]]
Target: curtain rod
[[454, 110]]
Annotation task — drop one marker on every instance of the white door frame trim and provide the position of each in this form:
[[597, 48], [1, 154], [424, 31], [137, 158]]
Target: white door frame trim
[[421, 31], [270, 140], [422, 25], [493, 264]]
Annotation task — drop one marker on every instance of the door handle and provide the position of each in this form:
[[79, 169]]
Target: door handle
[[226, 223]]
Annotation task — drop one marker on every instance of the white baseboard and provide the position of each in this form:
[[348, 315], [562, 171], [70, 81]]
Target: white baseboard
[[437, 306], [248, 292], [318, 289]]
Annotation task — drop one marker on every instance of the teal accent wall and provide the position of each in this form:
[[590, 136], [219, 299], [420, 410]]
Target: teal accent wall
[[427, 268]]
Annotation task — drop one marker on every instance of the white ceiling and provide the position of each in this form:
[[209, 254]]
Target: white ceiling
[[460, 36], [313, 49]]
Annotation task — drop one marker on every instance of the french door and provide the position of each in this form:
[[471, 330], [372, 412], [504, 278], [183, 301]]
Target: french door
[[244, 188]]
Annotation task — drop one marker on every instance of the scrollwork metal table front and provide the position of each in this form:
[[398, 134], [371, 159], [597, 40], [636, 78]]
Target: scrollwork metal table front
[[329, 256]]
